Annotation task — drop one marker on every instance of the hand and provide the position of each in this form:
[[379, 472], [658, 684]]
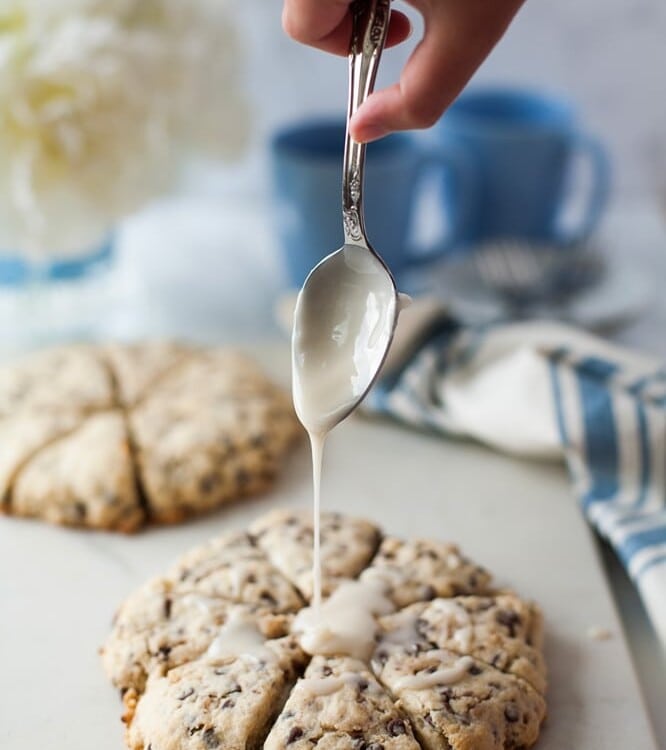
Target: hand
[[458, 36]]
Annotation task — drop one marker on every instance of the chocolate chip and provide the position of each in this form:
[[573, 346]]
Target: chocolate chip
[[242, 477], [268, 597], [326, 670], [431, 670], [362, 684], [229, 703], [511, 713], [382, 656], [429, 593], [80, 510], [295, 733], [396, 727], [509, 619], [186, 694], [164, 652], [167, 607], [210, 739], [208, 483], [251, 578], [474, 670]]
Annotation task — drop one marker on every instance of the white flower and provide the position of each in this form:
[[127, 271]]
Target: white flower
[[99, 101]]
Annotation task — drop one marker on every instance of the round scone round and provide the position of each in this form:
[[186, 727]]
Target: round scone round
[[211, 654], [114, 437]]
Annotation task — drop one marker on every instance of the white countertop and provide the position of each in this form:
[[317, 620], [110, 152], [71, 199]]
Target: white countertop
[[64, 585]]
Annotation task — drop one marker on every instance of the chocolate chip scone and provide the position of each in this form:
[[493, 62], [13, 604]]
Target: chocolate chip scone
[[211, 703], [209, 655], [454, 701], [502, 630], [173, 619], [337, 705], [419, 570], [347, 545], [120, 435]]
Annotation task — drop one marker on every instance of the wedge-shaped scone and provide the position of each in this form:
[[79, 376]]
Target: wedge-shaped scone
[[502, 630], [160, 627], [194, 455], [215, 375], [69, 377], [84, 479], [453, 701], [23, 435], [233, 567], [339, 705], [420, 570], [139, 367], [347, 544], [208, 704]]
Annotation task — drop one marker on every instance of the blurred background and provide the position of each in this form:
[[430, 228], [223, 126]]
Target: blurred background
[[605, 55], [204, 231]]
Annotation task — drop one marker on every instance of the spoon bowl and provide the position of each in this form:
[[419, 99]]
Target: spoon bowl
[[344, 322]]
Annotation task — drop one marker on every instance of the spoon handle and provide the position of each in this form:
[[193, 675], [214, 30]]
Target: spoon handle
[[370, 20]]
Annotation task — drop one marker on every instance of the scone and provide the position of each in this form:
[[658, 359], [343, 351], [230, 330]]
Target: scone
[[347, 545], [213, 655], [120, 435], [339, 704]]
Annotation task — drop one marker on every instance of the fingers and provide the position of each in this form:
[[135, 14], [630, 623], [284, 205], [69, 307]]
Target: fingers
[[458, 37], [326, 24]]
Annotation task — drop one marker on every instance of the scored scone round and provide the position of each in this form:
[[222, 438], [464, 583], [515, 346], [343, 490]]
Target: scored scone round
[[117, 436], [180, 694]]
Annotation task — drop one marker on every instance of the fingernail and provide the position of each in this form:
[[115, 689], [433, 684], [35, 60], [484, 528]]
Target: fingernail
[[371, 131]]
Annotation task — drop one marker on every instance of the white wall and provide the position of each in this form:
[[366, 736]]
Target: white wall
[[609, 56]]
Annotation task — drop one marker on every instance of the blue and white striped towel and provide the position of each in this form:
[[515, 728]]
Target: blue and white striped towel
[[548, 390]]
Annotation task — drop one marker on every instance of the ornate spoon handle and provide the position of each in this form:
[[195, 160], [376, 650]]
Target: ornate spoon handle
[[370, 20]]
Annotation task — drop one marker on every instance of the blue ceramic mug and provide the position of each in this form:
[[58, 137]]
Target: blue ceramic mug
[[523, 144], [306, 176]]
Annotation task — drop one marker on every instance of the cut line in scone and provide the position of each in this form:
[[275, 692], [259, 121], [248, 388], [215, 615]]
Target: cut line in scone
[[210, 656], [120, 435]]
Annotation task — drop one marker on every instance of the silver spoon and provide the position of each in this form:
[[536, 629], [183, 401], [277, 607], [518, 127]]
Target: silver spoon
[[347, 310]]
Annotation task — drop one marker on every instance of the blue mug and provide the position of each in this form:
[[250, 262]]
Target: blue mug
[[523, 144], [306, 177]]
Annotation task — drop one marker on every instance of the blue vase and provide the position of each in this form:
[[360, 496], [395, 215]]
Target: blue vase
[[16, 271], [56, 300]]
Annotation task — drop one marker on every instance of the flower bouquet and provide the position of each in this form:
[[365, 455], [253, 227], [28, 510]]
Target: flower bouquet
[[100, 100]]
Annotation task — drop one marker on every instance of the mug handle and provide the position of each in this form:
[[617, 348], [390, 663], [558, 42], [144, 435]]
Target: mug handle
[[591, 148], [464, 182]]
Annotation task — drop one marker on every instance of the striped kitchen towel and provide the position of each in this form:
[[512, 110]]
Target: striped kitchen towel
[[548, 390]]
